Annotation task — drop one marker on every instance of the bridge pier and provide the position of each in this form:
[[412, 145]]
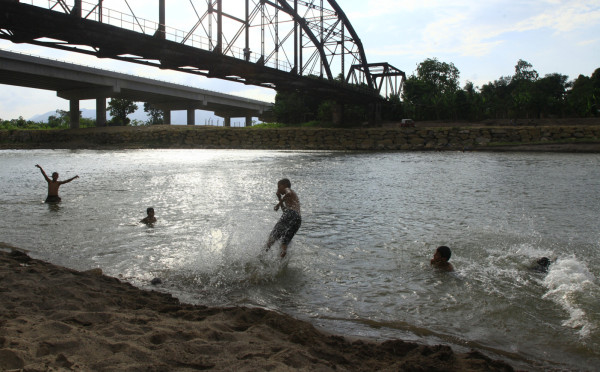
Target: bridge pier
[[167, 117], [191, 117], [337, 113], [248, 121], [74, 113], [374, 114], [227, 121], [100, 112]]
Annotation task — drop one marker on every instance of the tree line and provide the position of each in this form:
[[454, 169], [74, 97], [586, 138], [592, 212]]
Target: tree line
[[433, 93], [119, 109]]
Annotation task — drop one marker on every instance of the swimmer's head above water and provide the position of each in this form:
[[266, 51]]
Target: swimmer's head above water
[[441, 257]]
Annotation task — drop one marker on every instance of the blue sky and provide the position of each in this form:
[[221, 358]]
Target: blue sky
[[484, 40]]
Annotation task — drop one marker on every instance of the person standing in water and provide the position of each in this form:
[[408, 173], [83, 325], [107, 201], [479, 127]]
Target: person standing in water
[[53, 185], [290, 220]]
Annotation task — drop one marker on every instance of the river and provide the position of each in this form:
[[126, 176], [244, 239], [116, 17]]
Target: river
[[359, 265]]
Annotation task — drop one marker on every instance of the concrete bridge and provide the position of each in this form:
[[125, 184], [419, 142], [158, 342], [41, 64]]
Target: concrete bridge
[[74, 83]]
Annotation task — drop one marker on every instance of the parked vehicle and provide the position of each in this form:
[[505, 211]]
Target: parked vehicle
[[407, 123]]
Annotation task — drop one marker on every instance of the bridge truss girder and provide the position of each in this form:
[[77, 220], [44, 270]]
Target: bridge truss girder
[[283, 44]]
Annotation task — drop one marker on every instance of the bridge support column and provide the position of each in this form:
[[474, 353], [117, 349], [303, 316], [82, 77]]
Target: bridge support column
[[100, 112], [74, 113], [227, 121], [248, 121], [191, 117], [374, 113], [167, 117], [337, 114]]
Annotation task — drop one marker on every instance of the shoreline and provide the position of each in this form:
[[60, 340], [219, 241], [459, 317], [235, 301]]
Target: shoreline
[[566, 137], [53, 317]]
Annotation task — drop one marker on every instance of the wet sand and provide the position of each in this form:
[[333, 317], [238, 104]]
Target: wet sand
[[55, 318]]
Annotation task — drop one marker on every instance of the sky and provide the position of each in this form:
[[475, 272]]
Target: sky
[[483, 39]]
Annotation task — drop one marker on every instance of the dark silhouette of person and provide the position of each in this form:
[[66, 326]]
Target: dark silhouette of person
[[53, 185]]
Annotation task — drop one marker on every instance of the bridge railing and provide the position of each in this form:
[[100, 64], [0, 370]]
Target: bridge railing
[[147, 27]]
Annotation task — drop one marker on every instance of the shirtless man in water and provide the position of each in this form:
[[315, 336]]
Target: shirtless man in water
[[53, 185], [290, 221]]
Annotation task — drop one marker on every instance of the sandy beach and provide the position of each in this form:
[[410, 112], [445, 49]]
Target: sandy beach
[[54, 318]]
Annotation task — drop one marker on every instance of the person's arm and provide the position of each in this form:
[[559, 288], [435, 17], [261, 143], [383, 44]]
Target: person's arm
[[69, 180], [43, 173], [281, 200]]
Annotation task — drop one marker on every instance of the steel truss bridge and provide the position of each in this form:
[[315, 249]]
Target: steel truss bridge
[[287, 45]]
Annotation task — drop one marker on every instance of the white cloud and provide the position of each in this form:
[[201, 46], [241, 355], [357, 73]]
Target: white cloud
[[585, 43], [566, 16], [478, 29]]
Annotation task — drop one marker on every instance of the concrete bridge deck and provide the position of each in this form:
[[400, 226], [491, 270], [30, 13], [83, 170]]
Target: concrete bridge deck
[[75, 82]]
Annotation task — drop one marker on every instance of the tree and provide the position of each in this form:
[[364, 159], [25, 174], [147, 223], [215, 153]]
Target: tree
[[549, 95], [119, 109], [581, 97], [522, 84], [524, 71], [155, 116], [432, 91], [295, 107], [496, 98], [61, 119]]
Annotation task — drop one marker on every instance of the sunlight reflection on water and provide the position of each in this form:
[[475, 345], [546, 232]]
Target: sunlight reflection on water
[[360, 262]]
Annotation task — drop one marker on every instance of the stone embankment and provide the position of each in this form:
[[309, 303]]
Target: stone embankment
[[363, 139]]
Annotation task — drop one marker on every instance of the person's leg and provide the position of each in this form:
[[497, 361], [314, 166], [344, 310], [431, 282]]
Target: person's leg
[[270, 241], [291, 230], [275, 235]]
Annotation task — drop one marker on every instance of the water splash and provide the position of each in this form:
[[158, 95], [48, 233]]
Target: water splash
[[570, 283]]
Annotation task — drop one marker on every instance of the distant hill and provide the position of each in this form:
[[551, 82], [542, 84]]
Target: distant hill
[[177, 117]]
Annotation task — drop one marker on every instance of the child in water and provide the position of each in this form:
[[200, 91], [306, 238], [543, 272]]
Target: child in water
[[53, 185], [150, 217], [441, 257], [290, 220], [541, 265]]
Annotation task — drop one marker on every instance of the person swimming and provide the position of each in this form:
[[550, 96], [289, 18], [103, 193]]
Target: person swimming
[[441, 257], [541, 265], [149, 219]]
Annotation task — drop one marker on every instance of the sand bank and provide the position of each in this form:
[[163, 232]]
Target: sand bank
[[54, 318]]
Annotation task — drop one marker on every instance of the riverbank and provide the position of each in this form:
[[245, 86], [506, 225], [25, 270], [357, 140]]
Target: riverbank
[[55, 318], [581, 136]]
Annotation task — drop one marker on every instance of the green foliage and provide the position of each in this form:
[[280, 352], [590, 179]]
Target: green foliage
[[59, 121], [294, 107], [119, 108], [155, 116], [432, 93]]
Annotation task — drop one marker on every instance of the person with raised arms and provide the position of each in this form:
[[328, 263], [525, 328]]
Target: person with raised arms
[[53, 185]]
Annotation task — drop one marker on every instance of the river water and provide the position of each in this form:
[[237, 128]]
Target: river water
[[359, 266]]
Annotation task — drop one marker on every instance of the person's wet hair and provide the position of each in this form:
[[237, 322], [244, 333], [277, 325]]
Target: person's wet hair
[[544, 262], [150, 210], [445, 252], [286, 182]]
